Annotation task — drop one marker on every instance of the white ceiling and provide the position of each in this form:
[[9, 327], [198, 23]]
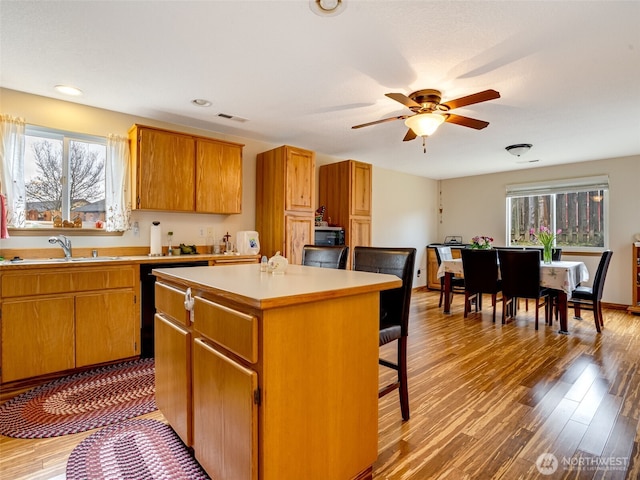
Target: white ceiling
[[568, 72]]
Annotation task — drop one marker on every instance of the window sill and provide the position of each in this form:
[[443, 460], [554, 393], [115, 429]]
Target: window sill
[[71, 232]]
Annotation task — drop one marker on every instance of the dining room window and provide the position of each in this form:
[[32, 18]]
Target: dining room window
[[575, 210]]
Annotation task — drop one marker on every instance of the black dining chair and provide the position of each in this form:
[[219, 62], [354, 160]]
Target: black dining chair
[[520, 272], [325, 256], [480, 276], [457, 283], [590, 297], [394, 309]]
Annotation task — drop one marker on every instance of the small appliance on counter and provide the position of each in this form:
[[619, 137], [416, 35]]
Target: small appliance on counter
[[453, 240], [247, 242], [329, 236]]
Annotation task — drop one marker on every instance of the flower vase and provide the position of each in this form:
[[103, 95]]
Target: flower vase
[[546, 254]]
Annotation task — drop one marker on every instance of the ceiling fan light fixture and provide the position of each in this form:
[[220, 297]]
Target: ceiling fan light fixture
[[518, 149], [327, 8], [424, 124]]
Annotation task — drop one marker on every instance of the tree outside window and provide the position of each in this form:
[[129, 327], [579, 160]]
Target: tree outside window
[[64, 177]]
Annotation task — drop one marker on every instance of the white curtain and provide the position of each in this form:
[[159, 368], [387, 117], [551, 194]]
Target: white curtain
[[12, 169], [118, 189]]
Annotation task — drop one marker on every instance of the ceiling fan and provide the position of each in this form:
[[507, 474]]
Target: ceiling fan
[[429, 113]]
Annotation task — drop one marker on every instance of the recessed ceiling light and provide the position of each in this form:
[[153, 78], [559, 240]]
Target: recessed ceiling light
[[327, 8], [68, 90], [201, 102]]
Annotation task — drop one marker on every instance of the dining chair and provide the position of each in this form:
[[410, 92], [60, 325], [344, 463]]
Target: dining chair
[[394, 309], [520, 272], [480, 276], [325, 256], [590, 297], [457, 283]]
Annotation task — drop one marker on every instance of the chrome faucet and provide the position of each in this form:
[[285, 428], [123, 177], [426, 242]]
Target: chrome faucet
[[64, 242]]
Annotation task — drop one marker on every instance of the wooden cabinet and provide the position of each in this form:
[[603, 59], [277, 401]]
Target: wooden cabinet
[[433, 282], [635, 277], [106, 315], [173, 337], [270, 398], [225, 390], [173, 375], [175, 171], [285, 190], [218, 177], [57, 319], [225, 414], [37, 337], [345, 190]]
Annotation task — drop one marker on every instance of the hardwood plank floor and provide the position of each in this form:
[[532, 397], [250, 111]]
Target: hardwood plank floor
[[487, 400]]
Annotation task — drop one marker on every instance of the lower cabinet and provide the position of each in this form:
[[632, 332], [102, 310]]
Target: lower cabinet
[[173, 375], [105, 315], [433, 282], [37, 337], [299, 232], [57, 319], [225, 414]]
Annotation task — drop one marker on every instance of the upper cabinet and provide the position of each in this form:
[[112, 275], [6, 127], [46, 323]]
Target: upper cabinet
[[299, 168], [175, 171], [218, 176], [285, 191]]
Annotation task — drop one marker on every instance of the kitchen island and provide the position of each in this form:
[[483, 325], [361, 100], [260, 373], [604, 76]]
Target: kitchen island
[[271, 376]]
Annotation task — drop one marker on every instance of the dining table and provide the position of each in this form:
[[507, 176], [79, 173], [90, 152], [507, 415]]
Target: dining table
[[562, 276]]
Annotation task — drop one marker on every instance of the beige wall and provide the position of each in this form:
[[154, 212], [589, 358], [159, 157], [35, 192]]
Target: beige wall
[[405, 207], [476, 206], [393, 191]]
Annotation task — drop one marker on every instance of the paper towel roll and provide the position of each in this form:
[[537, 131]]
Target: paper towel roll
[[156, 239]]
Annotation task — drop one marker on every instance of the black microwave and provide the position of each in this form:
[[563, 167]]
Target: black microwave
[[329, 236]]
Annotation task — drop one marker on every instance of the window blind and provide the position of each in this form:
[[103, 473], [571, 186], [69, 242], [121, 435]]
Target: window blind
[[583, 184]]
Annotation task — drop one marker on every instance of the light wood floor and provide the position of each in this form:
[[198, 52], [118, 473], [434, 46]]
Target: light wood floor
[[486, 401]]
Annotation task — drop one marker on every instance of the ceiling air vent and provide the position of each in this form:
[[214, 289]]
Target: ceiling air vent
[[232, 117]]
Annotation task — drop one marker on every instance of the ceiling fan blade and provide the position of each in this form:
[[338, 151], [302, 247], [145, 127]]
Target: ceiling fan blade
[[401, 117], [409, 136], [466, 121], [471, 99], [403, 99]]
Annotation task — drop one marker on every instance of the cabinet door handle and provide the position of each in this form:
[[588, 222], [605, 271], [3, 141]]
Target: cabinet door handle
[[188, 300]]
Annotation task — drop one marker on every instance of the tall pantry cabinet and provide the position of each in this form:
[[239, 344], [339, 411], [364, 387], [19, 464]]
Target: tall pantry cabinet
[[345, 191], [285, 192]]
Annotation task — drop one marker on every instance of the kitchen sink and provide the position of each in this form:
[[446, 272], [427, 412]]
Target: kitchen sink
[[94, 259], [62, 260]]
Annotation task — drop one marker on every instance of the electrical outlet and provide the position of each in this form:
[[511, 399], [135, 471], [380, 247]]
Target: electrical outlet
[[202, 231], [209, 231], [418, 273]]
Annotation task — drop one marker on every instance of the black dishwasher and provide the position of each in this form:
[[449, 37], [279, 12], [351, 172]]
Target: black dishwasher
[[147, 300]]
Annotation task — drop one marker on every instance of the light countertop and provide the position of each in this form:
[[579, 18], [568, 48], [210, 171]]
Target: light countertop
[[246, 284], [108, 260]]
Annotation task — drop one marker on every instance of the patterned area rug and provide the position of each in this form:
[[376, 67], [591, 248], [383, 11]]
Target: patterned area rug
[[135, 449], [81, 402]]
